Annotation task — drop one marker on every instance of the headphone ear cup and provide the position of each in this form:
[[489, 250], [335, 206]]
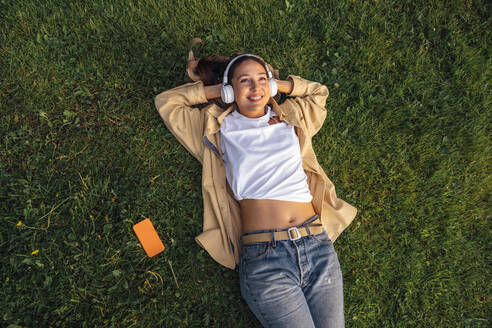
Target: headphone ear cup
[[273, 87], [227, 94]]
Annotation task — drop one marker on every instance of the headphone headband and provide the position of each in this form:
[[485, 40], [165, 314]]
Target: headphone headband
[[226, 72]]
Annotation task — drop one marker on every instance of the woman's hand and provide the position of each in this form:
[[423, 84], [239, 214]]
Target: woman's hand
[[284, 86], [213, 91], [190, 69]]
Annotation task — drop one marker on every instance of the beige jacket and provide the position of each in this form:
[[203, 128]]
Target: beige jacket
[[198, 131]]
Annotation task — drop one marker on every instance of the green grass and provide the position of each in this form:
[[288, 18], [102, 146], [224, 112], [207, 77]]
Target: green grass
[[84, 155]]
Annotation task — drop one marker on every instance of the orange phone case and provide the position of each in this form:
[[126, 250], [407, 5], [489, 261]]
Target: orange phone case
[[148, 237]]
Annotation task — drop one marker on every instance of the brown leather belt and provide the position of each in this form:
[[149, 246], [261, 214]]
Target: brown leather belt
[[293, 233]]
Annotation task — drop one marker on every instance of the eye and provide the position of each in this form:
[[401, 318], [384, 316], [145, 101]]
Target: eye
[[262, 78], [243, 80]]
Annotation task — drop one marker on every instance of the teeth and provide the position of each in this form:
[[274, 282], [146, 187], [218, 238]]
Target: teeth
[[255, 98]]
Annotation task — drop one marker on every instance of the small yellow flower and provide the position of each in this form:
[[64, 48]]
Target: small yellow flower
[[427, 262], [107, 219], [116, 85], [7, 279], [19, 223], [91, 216], [35, 252]]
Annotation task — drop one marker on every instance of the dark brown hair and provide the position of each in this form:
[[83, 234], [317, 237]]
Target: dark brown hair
[[211, 69]]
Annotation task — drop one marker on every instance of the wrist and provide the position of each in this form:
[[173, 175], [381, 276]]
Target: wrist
[[285, 86], [212, 91]]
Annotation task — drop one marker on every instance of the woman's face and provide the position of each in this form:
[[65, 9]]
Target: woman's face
[[251, 88]]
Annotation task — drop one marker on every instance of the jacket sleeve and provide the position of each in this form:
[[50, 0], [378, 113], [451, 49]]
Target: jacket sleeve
[[307, 99], [184, 121]]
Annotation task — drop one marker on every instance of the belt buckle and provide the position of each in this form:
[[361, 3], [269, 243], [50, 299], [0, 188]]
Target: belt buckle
[[295, 229]]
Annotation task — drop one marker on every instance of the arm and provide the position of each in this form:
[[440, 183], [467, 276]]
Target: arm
[[307, 99], [284, 86], [213, 91], [184, 121]]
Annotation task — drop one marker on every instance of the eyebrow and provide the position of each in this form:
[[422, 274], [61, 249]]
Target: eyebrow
[[245, 74]]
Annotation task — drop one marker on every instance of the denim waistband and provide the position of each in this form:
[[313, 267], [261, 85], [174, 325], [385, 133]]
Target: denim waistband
[[273, 230]]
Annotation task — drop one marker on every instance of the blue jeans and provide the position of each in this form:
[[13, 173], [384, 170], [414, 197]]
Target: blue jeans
[[293, 283]]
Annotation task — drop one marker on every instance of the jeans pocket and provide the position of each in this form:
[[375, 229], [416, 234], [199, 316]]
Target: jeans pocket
[[254, 252], [322, 238]]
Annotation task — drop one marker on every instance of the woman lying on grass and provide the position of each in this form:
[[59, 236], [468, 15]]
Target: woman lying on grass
[[268, 205]]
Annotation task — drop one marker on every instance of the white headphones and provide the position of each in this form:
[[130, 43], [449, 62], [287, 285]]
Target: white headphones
[[227, 92]]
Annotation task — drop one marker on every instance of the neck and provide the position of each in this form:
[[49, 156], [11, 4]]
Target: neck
[[253, 114]]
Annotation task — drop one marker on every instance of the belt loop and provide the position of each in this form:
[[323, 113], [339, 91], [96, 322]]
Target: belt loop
[[306, 226], [309, 231], [274, 242]]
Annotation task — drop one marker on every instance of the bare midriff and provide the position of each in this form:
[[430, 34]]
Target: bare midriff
[[268, 214]]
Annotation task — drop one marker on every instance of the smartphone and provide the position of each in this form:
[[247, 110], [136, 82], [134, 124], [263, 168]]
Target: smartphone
[[148, 237]]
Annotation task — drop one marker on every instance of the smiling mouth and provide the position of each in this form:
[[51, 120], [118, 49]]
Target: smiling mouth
[[255, 98]]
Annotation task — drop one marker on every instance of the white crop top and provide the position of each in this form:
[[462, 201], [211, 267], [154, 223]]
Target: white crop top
[[262, 161]]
